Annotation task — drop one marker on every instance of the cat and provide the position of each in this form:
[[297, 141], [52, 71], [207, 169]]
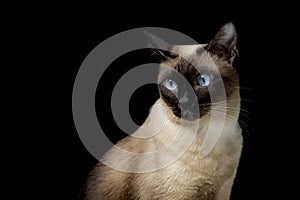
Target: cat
[[189, 95]]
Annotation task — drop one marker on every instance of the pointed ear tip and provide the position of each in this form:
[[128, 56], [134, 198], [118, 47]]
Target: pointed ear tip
[[229, 26], [148, 35]]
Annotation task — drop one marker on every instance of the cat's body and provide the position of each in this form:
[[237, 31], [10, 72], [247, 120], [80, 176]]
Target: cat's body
[[190, 176]]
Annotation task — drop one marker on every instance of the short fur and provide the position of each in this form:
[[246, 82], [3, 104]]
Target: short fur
[[189, 177]]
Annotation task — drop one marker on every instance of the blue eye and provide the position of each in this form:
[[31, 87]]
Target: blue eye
[[203, 79], [170, 84]]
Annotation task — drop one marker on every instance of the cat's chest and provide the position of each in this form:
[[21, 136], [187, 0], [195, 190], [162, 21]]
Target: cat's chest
[[192, 167], [193, 172], [188, 179]]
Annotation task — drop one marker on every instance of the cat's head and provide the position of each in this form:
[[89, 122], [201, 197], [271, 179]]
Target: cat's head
[[197, 77]]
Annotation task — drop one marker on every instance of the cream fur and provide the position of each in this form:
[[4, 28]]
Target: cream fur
[[212, 175], [190, 176]]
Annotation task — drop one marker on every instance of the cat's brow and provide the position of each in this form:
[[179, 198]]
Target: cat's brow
[[182, 65]]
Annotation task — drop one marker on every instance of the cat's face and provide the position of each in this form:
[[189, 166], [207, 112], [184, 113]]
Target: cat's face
[[189, 90]]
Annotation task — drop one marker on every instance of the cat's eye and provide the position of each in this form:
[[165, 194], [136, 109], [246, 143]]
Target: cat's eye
[[204, 79], [170, 84]]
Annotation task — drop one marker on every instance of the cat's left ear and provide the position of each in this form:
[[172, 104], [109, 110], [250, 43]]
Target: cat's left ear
[[224, 43], [160, 49]]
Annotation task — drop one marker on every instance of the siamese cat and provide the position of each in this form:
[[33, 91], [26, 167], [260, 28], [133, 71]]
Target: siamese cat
[[197, 113]]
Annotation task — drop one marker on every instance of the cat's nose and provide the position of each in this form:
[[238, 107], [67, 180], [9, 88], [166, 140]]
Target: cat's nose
[[187, 100], [183, 100]]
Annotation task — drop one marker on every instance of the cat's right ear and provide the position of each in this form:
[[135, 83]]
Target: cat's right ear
[[224, 43], [160, 49]]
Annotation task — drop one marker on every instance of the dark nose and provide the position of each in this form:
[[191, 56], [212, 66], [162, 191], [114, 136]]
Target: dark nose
[[188, 102]]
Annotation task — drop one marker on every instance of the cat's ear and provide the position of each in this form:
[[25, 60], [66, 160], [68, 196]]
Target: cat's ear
[[224, 43], [160, 49]]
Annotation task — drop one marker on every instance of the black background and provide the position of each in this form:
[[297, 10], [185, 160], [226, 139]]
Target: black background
[[61, 40]]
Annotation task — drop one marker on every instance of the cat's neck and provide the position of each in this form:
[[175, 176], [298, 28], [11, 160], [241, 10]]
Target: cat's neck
[[228, 115], [209, 129]]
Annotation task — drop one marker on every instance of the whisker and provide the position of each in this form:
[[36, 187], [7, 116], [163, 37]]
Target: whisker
[[248, 101], [228, 101], [242, 123], [242, 112], [244, 126], [234, 109], [244, 88]]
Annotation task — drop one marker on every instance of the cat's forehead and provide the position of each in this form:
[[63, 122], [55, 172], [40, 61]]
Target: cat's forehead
[[187, 51], [194, 55]]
